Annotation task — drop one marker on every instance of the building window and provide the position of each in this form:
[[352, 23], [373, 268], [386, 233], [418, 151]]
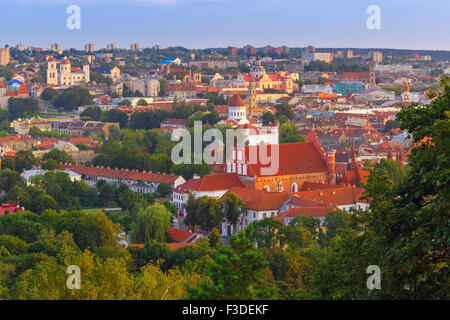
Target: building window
[[294, 187], [266, 188]]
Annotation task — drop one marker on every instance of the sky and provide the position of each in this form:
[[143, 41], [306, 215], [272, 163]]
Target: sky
[[413, 24]]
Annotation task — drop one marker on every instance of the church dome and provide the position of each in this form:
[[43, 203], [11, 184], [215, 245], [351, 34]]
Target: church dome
[[236, 101]]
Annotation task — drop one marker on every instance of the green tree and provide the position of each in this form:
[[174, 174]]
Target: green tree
[[233, 208], [115, 115], [49, 94], [58, 156], [94, 113], [235, 273], [214, 238], [22, 108], [284, 109], [151, 223], [268, 118]]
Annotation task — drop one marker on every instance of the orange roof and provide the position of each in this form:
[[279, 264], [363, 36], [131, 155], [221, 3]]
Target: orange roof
[[308, 186], [236, 101], [10, 154], [81, 140], [333, 197], [176, 246], [121, 174], [259, 200], [293, 159], [178, 235], [210, 182]]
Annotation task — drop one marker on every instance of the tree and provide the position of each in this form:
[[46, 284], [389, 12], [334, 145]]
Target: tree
[[9, 178], [209, 213], [205, 212], [289, 133], [151, 223], [284, 109], [233, 207], [268, 118], [336, 222], [236, 273], [391, 124], [22, 108], [49, 94], [115, 115], [142, 102], [50, 164], [265, 232], [58, 156], [72, 98], [214, 238], [24, 160], [94, 113], [164, 189]]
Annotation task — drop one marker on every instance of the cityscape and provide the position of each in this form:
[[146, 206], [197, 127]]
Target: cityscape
[[236, 172]]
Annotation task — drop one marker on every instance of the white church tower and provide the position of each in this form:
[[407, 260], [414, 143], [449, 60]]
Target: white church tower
[[237, 110]]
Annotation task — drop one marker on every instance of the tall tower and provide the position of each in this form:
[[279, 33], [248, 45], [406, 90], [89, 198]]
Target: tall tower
[[372, 78], [252, 95], [86, 72], [52, 72]]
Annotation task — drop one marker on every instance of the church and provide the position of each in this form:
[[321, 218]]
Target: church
[[289, 166], [65, 75], [253, 130], [260, 80]]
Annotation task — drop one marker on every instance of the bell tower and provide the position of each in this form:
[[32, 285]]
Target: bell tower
[[52, 72]]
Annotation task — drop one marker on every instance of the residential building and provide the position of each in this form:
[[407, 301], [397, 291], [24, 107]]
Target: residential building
[[346, 87], [317, 56], [4, 56], [152, 87], [138, 181], [89, 47], [232, 51], [212, 185], [135, 47], [375, 56], [56, 47]]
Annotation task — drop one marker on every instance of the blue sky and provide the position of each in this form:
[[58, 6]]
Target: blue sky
[[413, 24]]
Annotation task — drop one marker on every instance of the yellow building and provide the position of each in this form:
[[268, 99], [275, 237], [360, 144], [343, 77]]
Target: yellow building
[[66, 75], [4, 56]]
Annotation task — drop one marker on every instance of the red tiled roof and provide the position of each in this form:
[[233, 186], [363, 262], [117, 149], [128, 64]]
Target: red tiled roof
[[308, 186], [176, 246], [333, 197], [236, 101], [294, 158], [178, 235], [211, 182], [259, 200], [121, 174]]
